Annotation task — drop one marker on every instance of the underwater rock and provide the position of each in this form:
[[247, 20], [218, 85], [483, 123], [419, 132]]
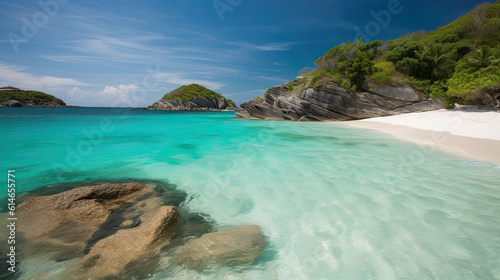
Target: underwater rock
[[231, 246], [110, 256], [69, 220], [122, 230]]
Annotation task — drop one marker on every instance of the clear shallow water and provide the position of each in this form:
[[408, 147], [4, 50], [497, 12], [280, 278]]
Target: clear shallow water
[[334, 202]]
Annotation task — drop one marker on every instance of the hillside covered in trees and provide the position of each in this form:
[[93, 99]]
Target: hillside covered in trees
[[458, 62]]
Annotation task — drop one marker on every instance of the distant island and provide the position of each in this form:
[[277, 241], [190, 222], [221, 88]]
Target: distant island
[[15, 97], [421, 71], [193, 97]]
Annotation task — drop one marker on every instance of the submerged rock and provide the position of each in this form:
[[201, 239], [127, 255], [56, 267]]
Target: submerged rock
[[332, 102], [83, 207], [111, 256], [66, 225], [121, 231], [231, 246]]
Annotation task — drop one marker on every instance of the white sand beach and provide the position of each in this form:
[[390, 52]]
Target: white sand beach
[[468, 132]]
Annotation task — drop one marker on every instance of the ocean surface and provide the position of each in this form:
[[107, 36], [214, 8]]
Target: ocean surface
[[334, 202]]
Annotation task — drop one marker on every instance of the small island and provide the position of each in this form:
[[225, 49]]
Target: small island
[[15, 97], [193, 97]]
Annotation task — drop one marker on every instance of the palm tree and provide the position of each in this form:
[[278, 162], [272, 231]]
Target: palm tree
[[438, 55], [484, 57], [421, 54]]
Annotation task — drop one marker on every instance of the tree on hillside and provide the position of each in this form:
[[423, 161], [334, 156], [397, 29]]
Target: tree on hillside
[[421, 54], [478, 17], [484, 57], [437, 54]]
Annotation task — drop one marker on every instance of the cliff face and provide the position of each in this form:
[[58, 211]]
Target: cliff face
[[335, 103], [195, 104]]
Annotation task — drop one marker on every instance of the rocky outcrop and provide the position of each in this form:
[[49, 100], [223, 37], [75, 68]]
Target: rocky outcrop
[[110, 257], [70, 220], [32, 103], [195, 104], [332, 102], [233, 246], [121, 231], [492, 96], [12, 103]]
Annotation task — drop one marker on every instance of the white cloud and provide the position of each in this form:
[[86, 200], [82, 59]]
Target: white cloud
[[76, 92], [70, 58], [265, 47], [258, 91], [273, 79], [279, 64], [178, 79], [17, 76], [111, 96]]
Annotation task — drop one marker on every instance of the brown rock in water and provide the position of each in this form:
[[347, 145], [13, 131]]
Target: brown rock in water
[[68, 220], [110, 256], [231, 246]]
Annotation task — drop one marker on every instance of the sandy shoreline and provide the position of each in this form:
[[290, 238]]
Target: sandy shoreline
[[469, 133]]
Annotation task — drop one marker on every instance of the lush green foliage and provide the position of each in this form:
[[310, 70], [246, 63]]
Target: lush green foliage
[[384, 70], [260, 98], [346, 64], [36, 96], [475, 72], [188, 92], [453, 62]]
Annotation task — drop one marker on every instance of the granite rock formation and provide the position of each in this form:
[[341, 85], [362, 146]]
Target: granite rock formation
[[334, 103], [195, 104]]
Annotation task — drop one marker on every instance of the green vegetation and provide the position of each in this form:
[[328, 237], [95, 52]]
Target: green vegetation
[[188, 92], [36, 96], [455, 62], [259, 98]]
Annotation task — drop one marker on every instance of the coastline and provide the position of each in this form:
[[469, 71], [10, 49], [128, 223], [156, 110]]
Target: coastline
[[467, 132]]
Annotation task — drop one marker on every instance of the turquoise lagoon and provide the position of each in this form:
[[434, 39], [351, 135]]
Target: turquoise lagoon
[[334, 202]]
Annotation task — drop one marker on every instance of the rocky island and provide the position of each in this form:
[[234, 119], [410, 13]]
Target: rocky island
[[15, 97], [193, 97]]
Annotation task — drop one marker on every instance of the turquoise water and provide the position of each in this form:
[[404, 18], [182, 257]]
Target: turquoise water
[[333, 202]]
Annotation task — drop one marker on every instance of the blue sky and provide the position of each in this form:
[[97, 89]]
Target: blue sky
[[130, 53]]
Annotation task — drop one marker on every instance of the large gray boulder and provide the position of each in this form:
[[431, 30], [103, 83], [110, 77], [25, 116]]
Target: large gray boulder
[[204, 102], [403, 93], [195, 104], [332, 102], [12, 103], [231, 246]]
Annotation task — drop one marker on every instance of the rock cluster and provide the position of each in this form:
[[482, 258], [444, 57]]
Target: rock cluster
[[32, 103], [120, 231], [336, 103], [195, 104]]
